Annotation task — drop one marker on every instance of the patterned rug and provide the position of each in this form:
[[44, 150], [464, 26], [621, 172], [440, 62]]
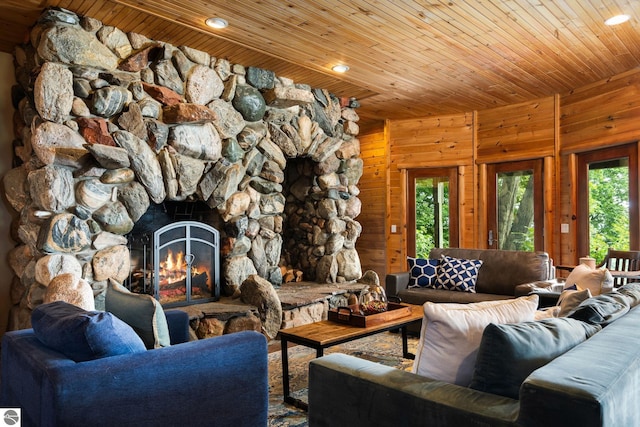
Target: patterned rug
[[384, 348]]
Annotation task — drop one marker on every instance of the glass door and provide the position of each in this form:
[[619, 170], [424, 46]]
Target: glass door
[[515, 206]]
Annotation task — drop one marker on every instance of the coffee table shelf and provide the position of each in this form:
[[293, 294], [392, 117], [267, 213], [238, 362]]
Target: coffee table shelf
[[325, 334]]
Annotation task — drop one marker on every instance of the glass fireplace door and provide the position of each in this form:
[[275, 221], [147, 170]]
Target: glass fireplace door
[[186, 264]]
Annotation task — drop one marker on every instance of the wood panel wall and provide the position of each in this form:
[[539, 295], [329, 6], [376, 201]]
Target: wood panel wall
[[444, 141], [606, 113], [516, 132], [373, 190], [602, 114]]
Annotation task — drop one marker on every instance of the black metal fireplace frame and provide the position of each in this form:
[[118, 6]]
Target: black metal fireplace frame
[[189, 238]]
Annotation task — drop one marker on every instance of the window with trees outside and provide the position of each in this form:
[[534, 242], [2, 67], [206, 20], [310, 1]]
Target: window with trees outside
[[608, 201], [515, 206], [432, 210]]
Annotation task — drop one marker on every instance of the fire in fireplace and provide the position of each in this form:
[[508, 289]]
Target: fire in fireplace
[[183, 267]]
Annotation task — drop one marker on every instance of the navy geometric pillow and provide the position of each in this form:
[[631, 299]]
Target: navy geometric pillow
[[458, 274], [423, 272]]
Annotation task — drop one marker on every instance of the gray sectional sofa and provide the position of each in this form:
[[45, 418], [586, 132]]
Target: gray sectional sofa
[[503, 275], [595, 383]]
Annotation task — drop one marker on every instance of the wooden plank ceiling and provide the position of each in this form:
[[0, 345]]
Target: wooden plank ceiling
[[407, 58]]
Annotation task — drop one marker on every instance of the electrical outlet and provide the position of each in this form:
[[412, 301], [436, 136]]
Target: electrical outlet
[[394, 228], [564, 228]]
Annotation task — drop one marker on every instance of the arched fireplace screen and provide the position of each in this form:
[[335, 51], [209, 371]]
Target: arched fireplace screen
[[186, 266]]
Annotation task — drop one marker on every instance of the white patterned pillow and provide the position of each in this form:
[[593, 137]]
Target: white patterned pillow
[[423, 272], [457, 274]]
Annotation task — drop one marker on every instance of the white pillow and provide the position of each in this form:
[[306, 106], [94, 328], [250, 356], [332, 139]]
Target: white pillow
[[451, 334], [597, 280]]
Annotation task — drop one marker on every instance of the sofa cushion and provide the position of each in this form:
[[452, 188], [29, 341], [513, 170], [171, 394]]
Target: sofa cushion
[[502, 270], [140, 311], [83, 335], [508, 353], [597, 280], [457, 274], [423, 272], [602, 309], [451, 334], [632, 290], [570, 298]]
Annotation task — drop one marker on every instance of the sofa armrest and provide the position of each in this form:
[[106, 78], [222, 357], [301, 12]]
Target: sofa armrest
[[369, 393], [221, 381], [596, 383], [395, 282], [546, 291]]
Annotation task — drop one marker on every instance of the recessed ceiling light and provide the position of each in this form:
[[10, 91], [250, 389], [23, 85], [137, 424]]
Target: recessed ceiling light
[[216, 23], [340, 68], [618, 19]]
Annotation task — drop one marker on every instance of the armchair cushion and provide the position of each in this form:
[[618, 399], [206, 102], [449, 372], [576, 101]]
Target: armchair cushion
[[142, 312], [83, 335]]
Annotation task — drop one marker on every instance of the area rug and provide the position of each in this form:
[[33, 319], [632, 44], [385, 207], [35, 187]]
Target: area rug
[[384, 348]]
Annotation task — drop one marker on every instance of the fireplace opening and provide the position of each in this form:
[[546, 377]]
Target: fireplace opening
[[177, 261], [297, 236], [186, 263]]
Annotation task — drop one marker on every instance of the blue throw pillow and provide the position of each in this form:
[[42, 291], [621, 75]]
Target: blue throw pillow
[[423, 272], [456, 274], [83, 335], [509, 353]]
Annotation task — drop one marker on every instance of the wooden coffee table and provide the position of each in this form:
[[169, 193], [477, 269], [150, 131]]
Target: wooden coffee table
[[324, 334]]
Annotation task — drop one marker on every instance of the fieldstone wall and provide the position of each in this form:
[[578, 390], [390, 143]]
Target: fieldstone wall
[[108, 123]]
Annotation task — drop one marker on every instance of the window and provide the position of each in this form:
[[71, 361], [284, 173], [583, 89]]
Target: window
[[515, 206], [607, 201], [433, 210]]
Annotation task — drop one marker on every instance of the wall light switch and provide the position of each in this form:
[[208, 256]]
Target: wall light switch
[[394, 228], [564, 228]]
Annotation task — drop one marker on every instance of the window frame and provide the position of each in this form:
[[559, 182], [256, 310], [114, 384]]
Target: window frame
[[629, 151], [454, 223]]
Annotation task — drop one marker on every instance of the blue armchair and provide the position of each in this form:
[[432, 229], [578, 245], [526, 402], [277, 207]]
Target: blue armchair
[[219, 381]]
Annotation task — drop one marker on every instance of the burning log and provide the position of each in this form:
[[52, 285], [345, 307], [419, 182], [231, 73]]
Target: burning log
[[198, 281]]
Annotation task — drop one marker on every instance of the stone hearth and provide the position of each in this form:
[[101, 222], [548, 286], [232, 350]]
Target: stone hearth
[[108, 124], [302, 303]]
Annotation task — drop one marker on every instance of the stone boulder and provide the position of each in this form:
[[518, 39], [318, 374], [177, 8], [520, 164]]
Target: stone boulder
[[50, 266], [53, 92], [260, 293], [112, 263], [67, 287]]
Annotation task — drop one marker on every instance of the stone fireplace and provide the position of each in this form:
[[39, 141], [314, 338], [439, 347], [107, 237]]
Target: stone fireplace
[[110, 126]]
